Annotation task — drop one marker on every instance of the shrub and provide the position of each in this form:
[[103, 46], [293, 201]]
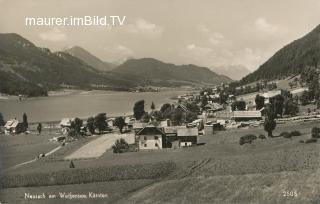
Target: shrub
[[311, 140], [120, 146], [295, 133], [285, 135], [247, 139], [315, 132], [262, 137]]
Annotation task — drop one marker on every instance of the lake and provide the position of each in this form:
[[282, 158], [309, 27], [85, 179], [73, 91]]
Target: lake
[[82, 104]]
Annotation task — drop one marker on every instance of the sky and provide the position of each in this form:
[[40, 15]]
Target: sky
[[203, 32]]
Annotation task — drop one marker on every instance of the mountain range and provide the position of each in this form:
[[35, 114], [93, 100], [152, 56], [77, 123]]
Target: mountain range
[[291, 60], [235, 72], [31, 70], [90, 59], [161, 72]]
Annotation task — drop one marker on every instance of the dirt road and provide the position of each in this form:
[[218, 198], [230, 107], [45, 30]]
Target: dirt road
[[98, 146]]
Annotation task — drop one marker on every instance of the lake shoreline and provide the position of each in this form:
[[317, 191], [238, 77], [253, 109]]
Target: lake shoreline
[[84, 104]]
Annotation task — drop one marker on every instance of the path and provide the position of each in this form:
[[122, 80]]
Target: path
[[98, 146]]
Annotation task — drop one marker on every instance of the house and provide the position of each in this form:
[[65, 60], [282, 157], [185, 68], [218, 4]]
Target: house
[[270, 94], [65, 125], [150, 138], [14, 126], [210, 127], [187, 136], [165, 123], [246, 115], [196, 123]]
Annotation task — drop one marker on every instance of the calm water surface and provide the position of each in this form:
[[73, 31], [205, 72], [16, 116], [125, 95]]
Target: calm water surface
[[82, 104]]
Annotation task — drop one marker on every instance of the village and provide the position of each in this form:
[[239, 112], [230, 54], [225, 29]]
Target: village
[[179, 124], [211, 131]]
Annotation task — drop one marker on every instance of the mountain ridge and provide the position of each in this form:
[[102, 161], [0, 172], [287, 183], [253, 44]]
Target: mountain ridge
[[89, 58], [291, 59], [160, 71]]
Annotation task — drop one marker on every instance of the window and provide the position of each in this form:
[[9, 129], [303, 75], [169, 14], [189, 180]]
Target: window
[[145, 137], [185, 144], [156, 137], [145, 145], [156, 145]]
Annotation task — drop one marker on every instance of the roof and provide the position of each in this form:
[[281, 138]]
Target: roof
[[187, 132], [138, 125], [13, 123], [183, 107], [150, 130], [271, 94], [66, 122], [247, 114]]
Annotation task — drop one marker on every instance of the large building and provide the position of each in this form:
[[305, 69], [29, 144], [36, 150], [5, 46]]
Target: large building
[[246, 115], [150, 138]]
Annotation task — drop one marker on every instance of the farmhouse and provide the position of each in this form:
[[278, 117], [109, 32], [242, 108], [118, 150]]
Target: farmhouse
[[65, 125], [13, 126], [187, 136], [246, 115], [150, 138]]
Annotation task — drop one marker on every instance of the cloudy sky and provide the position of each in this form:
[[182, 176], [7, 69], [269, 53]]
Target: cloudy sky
[[203, 32]]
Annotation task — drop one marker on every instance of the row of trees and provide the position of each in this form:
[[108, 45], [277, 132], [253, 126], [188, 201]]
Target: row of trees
[[167, 111]]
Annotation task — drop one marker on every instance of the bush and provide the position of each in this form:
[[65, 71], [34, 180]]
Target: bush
[[120, 146], [295, 133], [247, 139], [285, 135], [291, 134], [262, 137], [315, 132], [311, 140]]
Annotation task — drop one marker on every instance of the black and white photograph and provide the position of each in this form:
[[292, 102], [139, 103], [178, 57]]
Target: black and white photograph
[[160, 101]]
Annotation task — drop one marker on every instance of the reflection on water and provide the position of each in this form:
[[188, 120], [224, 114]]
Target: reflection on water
[[83, 104]]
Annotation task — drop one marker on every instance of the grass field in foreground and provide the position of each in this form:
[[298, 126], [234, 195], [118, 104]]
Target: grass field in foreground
[[15, 149], [115, 190], [220, 170]]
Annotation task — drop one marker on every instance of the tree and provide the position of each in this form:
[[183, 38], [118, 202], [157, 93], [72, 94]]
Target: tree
[[259, 102], [166, 110], [90, 125], [204, 101], [277, 104], [153, 107], [157, 115], [39, 128], [270, 123], [75, 128], [191, 116], [100, 122], [177, 116], [146, 117], [120, 123], [238, 105], [138, 109], [291, 108], [120, 146], [305, 98], [2, 122], [25, 120]]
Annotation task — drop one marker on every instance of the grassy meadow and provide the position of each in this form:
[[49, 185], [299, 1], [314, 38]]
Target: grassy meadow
[[217, 171]]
